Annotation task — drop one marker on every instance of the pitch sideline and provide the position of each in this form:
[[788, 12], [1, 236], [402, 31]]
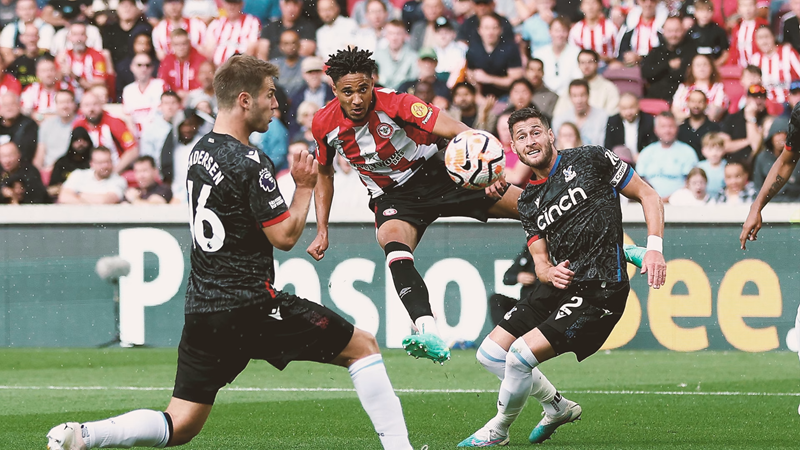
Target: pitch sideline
[[406, 391]]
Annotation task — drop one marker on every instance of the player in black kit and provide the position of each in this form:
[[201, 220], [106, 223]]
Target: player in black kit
[[571, 214], [233, 313]]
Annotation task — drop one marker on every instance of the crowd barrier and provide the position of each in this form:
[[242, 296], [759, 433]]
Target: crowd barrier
[[716, 297]]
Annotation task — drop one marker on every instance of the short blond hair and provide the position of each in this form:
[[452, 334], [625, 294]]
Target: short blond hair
[[713, 140]]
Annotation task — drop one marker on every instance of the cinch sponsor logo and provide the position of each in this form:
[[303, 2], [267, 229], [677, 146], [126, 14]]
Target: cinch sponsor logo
[[563, 204]]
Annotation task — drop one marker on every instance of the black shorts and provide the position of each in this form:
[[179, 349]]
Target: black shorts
[[577, 320], [216, 347], [428, 195]]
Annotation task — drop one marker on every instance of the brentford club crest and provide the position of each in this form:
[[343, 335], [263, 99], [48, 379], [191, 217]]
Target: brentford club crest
[[385, 130]]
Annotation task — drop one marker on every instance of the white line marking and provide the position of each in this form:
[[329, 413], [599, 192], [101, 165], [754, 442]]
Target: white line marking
[[404, 391]]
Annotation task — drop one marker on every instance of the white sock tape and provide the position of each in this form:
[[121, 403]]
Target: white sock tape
[[655, 243]]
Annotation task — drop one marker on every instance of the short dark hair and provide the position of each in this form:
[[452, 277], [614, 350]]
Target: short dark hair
[[578, 82], [521, 115], [172, 94], [592, 53], [45, 57], [178, 32], [241, 73], [694, 91], [563, 20], [464, 84], [146, 158], [524, 81], [755, 70], [704, 4], [742, 164], [666, 114], [351, 60], [66, 91]]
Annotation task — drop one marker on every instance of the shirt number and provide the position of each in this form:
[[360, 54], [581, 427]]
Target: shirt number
[[199, 216]]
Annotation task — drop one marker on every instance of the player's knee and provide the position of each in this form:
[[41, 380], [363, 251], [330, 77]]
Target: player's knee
[[515, 360], [484, 356], [183, 431], [365, 343]]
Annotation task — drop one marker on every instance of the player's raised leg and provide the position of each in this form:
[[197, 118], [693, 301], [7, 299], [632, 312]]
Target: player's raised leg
[[398, 240], [363, 360], [182, 421]]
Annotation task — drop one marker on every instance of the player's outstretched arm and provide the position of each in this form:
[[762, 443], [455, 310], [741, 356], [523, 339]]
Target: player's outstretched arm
[[284, 235], [776, 179], [653, 263], [558, 276], [448, 127], [323, 197]]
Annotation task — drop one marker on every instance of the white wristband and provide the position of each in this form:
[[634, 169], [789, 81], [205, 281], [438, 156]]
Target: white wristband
[[655, 243]]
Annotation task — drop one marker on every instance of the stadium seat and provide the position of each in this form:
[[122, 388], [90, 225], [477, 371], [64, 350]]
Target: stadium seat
[[627, 79], [774, 108], [732, 85], [653, 106]]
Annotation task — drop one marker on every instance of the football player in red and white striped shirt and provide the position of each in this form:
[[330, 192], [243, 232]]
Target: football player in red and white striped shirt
[[39, 98], [235, 33], [743, 43], [173, 19], [393, 141], [780, 64], [595, 32]]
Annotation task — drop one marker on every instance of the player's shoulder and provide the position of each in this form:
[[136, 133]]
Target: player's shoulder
[[327, 118], [584, 152]]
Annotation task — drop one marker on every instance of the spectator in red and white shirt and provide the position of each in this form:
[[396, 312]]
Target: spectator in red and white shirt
[[236, 32], [595, 32], [173, 20], [107, 131], [141, 98], [84, 66], [743, 42], [641, 36], [39, 98], [780, 64], [702, 75], [179, 69]]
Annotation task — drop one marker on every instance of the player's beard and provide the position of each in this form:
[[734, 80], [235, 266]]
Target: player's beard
[[545, 157]]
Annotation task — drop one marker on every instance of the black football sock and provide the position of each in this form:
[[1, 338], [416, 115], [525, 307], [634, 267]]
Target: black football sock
[[407, 281]]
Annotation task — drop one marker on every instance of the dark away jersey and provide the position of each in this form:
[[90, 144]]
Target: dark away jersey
[[576, 210], [793, 134], [232, 195]]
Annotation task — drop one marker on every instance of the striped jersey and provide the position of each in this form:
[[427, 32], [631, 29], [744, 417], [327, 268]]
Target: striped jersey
[[181, 75], [601, 37], [644, 37], [90, 66], [38, 99], [715, 94], [231, 36], [743, 41], [387, 147], [778, 70], [110, 132], [195, 27]]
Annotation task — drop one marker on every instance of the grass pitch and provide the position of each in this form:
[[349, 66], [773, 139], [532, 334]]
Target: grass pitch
[[630, 400]]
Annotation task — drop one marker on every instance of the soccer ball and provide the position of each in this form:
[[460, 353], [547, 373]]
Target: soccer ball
[[475, 159]]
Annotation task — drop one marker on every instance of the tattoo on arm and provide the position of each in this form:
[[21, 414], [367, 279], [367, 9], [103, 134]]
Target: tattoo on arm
[[776, 187]]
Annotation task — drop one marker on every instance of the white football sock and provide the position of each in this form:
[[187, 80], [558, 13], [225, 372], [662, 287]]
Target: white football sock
[[427, 324], [544, 391], [380, 402], [493, 357], [140, 428], [516, 386]]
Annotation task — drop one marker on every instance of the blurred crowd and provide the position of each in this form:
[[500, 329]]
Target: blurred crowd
[[101, 101]]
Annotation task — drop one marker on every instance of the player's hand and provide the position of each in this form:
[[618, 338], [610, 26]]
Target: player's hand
[[304, 170], [750, 228], [318, 246], [498, 188], [560, 276], [655, 267], [526, 278]]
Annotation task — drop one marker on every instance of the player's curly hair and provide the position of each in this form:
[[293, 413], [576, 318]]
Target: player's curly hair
[[350, 60]]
